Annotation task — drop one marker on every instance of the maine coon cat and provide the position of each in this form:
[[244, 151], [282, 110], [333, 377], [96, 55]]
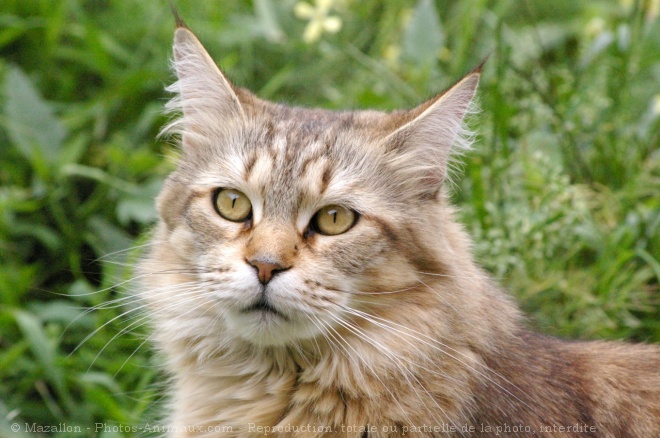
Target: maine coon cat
[[307, 278]]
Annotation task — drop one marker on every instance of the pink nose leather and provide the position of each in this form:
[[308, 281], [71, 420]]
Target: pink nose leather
[[265, 270]]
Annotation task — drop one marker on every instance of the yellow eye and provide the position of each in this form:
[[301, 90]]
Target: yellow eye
[[334, 219], [233, 205]]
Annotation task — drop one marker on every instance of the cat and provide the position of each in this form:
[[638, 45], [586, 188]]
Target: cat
[[307, 278]]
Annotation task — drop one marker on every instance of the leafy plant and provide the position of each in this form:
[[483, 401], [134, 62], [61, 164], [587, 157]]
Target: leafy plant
[[560, 193]]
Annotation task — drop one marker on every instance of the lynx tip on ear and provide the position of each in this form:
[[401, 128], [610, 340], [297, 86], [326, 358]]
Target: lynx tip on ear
[[177, 18], [480, 66]]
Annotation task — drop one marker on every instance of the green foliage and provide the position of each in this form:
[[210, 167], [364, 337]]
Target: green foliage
[[561, 192]]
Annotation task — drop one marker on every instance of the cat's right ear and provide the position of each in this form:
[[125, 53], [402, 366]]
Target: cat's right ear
[[422, 146], [205, 97]]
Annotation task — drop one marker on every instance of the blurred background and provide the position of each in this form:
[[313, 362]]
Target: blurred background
[[561, 193]]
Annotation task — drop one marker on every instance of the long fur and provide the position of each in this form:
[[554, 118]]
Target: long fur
[[389, 329]]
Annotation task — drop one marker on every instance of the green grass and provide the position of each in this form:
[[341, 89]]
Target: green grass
[[561, 194]]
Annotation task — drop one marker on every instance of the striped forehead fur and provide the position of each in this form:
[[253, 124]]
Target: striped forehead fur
[[413, 147]]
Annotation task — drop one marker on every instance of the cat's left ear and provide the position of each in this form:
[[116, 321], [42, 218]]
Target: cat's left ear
[[205, 96], [422, 146]]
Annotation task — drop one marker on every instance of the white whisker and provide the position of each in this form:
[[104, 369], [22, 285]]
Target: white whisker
[[405, 372], [373, 373], [431, 342]]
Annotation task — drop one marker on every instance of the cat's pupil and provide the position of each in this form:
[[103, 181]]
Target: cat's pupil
[[333, 219], [232, 205]]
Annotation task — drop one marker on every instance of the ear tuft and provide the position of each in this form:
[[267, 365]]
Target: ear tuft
[[422, 148], [204, 97], [177, 18]]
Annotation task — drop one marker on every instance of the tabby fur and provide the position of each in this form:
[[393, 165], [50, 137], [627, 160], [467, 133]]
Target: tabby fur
[[389, 329]]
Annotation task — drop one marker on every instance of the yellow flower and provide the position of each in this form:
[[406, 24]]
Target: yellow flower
[[319, 19], [391, 54], [655, 105], [595, 27], [652, 10], [627, 4]]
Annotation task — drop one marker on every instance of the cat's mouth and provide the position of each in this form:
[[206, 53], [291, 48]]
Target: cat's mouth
[[264, 307]]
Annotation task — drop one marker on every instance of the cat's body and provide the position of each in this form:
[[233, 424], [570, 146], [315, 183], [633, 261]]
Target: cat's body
[[273, 320]]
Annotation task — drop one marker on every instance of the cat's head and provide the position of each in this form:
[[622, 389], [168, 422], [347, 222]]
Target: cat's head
[[284, 221]]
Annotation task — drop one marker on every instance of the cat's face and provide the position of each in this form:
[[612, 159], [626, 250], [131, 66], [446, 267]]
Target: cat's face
[[279, 174], [289, 220]]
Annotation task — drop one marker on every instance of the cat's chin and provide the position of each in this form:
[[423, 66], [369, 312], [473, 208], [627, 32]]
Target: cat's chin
[[268, 327]]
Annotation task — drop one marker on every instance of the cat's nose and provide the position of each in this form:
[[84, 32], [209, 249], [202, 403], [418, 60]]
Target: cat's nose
[[266, 270]]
